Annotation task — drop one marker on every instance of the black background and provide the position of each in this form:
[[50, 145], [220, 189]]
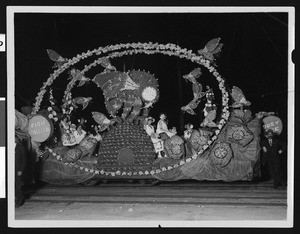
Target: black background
[[254, 55], [235, 64]]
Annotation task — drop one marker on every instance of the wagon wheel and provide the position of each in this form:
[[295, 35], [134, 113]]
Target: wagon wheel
[[149, 182]]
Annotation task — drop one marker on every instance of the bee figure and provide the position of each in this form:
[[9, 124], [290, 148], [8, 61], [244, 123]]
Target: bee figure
[[211, 49]]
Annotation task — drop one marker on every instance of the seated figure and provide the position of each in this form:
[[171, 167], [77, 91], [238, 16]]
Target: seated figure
[[163, 127]]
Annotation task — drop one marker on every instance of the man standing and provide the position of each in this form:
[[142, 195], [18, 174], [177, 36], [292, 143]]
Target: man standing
[[22, 149], [272, 151]]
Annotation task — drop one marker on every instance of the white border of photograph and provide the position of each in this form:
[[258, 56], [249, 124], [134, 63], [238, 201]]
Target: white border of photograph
[[11, 10]]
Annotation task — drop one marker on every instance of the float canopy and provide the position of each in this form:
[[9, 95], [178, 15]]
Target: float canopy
[[272, 123]]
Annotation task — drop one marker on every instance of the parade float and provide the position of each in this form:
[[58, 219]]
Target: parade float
[[225, 146]]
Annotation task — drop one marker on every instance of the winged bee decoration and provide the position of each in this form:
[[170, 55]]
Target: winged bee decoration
[[211, 49], [238, 98]]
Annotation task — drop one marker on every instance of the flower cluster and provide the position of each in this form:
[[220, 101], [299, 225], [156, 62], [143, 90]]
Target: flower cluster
[[52, 114], [129, 49]]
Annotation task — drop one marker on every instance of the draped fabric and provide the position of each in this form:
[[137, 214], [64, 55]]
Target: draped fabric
[[240, 167], [21, 126], [240, 164], [56, 172]]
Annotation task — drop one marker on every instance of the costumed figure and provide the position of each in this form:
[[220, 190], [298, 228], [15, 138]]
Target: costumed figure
[[80, 132], [157, 143], [95, 133], [210, 110], [272, 151], [188, 132], [71, 135], [162, 126], [187, 136]]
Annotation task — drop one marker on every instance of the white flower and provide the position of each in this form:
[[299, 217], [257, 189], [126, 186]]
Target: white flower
[[146, 172], [170, 168], [141, 173], [182, 162], [194, 156], [188, 160], [49, 108], [149, 94], [113, 174]]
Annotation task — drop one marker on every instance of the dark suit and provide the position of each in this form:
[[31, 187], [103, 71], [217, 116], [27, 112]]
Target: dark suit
[[21, 154], [272, 157]]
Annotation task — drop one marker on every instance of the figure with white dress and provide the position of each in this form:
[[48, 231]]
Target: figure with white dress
[[157, 143], [162, 126]]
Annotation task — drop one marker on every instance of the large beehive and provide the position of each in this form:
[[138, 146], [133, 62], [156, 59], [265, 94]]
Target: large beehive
[[127, 147]]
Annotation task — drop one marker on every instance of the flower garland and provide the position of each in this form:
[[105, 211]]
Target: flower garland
[[146, 48]]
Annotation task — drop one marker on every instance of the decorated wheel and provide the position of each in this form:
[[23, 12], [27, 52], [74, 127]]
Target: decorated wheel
[[128, 96]]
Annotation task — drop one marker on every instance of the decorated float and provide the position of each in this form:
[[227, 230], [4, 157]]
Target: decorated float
[[120, 143]]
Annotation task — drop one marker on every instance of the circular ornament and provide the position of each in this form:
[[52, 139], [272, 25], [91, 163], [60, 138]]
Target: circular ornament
[[40, 128]]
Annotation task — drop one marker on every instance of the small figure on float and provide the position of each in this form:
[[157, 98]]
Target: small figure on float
[[80, 131], [95, 133], [210, 110], [162, 126], [157, 143], [149, 128], [187, 136], [188, 132], [71, 135]]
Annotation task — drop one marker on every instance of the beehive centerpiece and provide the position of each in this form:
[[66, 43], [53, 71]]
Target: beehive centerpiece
[[127, 147]]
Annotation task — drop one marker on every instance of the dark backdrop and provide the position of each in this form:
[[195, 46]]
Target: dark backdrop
[[254, 56]]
